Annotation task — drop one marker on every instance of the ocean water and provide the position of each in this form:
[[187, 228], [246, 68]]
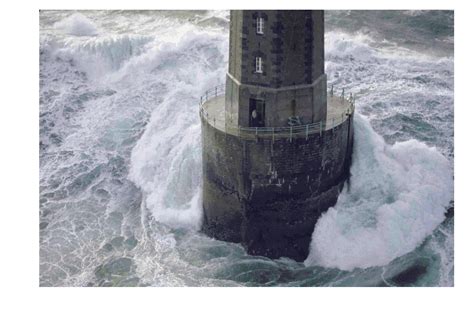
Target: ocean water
[[120, 160]]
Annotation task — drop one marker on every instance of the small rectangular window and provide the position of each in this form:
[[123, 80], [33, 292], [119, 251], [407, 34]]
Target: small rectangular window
[[258, 65], [259, 25]]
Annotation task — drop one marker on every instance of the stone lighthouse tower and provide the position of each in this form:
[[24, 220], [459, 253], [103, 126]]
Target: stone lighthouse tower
[[276, 145]]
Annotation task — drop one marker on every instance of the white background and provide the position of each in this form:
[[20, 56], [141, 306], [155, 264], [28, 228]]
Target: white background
[[19, 176]]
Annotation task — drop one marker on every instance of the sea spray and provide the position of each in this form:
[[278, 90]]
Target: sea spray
[[397, 196], [77, 24], [166, 161]]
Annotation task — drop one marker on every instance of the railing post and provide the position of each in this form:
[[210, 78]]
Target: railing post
[[291, 133], [332, 90], [273, 135], [320, 128], [342, 95], [306, 132]]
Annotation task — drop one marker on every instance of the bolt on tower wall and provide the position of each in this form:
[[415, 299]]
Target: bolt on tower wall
[[276, 67]]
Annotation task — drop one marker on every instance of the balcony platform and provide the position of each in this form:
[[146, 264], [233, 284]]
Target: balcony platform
[[213, 111]]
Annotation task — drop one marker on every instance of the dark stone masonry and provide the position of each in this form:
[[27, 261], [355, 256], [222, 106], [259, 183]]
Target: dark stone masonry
[[267, 180], [268, 195]]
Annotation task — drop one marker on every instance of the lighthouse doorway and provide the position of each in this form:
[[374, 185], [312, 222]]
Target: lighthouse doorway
[[256, 112]]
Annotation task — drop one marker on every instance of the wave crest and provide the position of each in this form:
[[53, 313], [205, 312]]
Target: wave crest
[[77, 24]]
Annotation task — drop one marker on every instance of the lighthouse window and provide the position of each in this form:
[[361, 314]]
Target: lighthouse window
[[259, 25], [258, 65]]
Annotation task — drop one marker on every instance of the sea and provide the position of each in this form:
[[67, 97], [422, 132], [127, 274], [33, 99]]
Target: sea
[[120, 152]]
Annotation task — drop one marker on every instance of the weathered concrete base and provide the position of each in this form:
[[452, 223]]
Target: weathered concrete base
[[268, 194], [285, 227]]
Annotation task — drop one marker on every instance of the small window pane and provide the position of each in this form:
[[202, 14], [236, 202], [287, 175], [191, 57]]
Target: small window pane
[[260, 25], [258, 65]]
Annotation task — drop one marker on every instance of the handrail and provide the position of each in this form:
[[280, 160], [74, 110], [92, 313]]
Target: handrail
[[213, 92], [290, 132]]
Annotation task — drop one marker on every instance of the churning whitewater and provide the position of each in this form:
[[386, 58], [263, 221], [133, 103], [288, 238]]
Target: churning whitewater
[[397, 196], [120, 153]]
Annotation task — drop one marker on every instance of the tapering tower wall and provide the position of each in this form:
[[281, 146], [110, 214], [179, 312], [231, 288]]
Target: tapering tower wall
[[291, 81]]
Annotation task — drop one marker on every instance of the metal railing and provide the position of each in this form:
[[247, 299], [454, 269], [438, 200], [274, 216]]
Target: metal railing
[[212, 93], [290, 132]]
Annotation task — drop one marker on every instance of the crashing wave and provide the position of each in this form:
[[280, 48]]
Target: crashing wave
[[397, 196]]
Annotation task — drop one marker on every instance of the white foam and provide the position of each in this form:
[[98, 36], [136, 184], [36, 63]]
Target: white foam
[[114, 56], [341, 45], [166, 75], [77, 24], [166, 161], [397, 197]]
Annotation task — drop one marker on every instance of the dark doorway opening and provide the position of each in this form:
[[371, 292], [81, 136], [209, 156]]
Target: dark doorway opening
[[256, 112], [293, 108]]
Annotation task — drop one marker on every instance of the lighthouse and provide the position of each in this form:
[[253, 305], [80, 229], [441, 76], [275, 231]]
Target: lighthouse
[[276, 144]]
